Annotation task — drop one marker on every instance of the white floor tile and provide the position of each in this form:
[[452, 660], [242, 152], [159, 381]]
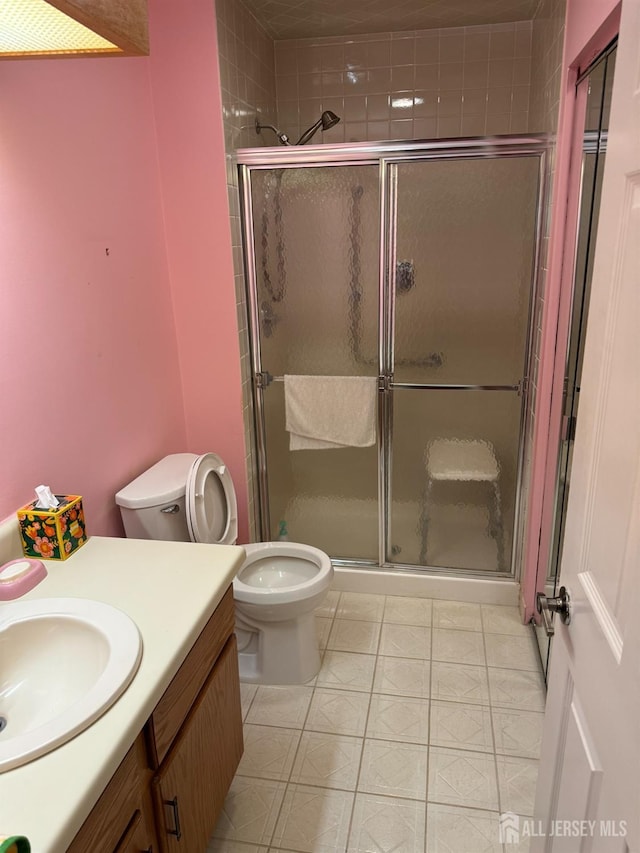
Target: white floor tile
[[517, 778], [313, 820], [347, 669], [394, 769], [402, 677], [250, 810], [399, 718], [383, 824], [457, 614], [512, 652], [358, 605], [352, 635], [459, 830], [280, 706], [268, 752], [329, 605], [512, 688], [460, 726], [459, 683], [501, 619], [517, 733], [462, 778], [405, 641], [458, 646], [338, 712], [408, 611], [328, 761]]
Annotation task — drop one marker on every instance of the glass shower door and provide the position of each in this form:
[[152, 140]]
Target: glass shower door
[[462, 264], [316, 271]]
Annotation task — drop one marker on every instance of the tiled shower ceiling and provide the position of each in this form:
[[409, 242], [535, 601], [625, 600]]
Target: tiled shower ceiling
[[289, 19]]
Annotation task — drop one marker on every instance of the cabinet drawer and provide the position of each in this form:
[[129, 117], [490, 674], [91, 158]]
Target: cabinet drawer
[[110, 817], [138, 837], [190, 788], [172, 709]]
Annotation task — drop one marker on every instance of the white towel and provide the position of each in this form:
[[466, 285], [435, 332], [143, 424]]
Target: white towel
[[328, 412]]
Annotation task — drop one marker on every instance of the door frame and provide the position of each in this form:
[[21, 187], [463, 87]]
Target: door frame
[[587, 34], [584, 142], [385, 155]]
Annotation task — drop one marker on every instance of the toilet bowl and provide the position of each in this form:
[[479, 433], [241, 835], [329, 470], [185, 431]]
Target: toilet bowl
[[185, 497], [276, 591]]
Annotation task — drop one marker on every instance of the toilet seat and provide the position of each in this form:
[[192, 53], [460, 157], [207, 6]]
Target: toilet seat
[[210, 500]]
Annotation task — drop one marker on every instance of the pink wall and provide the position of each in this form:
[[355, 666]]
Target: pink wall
[[89, 379], [186, 92], [590, 26], [111, 360]]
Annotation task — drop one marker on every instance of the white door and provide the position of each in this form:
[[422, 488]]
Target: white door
[[590, 764]]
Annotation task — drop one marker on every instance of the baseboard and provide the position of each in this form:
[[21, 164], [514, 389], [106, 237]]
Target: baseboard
[[425, 585]]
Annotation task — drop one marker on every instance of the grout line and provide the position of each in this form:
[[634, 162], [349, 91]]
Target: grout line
[[493, 733], [366, 726], [248, 708], [429, 719], [347, 791]]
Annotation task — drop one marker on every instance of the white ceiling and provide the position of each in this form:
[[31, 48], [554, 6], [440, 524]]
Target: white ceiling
[[292, 19]]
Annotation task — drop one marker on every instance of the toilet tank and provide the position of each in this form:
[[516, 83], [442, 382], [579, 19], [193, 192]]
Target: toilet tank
[[153, 505]]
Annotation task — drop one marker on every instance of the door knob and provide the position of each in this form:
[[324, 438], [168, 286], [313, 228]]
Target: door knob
[[560, 604]]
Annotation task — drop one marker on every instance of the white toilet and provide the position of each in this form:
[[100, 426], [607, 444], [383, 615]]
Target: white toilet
[[185, 497]]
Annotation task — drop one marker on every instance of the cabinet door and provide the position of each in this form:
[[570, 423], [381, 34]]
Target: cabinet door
[[190, 788]]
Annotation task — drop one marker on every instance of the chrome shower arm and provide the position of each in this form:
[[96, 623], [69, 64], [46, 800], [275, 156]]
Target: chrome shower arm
[[282, 137]]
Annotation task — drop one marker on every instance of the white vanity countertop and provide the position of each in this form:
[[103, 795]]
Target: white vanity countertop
[[169, 589]]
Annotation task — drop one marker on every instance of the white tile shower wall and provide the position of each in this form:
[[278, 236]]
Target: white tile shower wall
[[247, 77], [463, 81], [246, 73]]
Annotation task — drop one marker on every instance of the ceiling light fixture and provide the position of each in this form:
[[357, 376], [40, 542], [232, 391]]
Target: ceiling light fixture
[[32, 28]]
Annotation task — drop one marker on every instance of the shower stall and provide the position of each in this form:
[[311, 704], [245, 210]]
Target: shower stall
[[413, 263]]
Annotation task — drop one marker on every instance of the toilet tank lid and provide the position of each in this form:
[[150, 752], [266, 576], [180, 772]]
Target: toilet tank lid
[[163, 482]]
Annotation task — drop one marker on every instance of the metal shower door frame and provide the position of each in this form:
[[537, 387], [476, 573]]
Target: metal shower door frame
[[386, 156]]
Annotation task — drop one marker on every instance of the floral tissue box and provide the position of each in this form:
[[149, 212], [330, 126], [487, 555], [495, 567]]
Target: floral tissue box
[[53, 534]]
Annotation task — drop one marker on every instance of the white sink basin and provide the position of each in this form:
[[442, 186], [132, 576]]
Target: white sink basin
[[64, 662]]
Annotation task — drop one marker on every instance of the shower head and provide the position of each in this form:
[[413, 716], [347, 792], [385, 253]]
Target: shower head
[[326, 120], [282, 137]]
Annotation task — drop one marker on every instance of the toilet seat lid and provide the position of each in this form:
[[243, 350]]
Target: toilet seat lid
[[210, 500]]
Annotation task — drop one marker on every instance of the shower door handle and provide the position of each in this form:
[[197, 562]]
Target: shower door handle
[[560, 604], [384, 381], [263, 379]]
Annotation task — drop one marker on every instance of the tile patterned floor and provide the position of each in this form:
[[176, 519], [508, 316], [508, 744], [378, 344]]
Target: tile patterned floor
[[423, 724]]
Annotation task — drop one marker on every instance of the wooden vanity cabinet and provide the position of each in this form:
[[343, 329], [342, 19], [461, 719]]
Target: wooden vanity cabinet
[[168, 792], [190, 787]]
